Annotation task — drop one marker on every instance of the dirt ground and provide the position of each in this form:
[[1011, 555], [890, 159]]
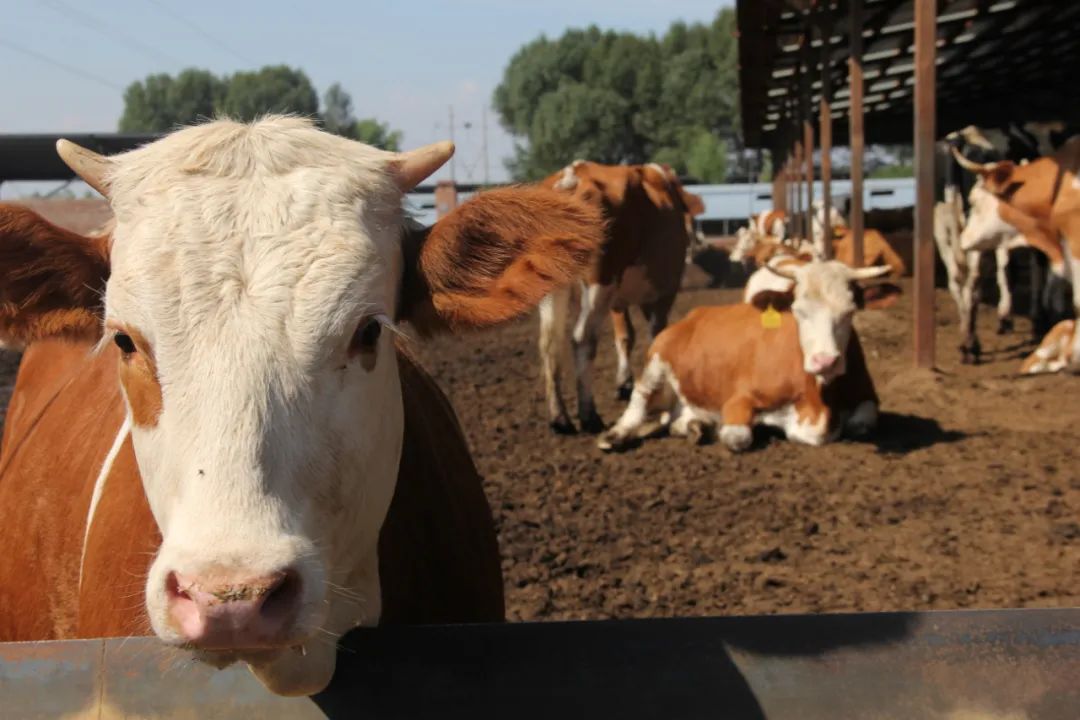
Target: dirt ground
[[967, 496]]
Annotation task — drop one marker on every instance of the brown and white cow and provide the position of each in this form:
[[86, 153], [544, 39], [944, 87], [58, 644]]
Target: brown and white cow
[[649, 227], [765, 228], [789, 359], [1039, 200], [757, 250], [962, 266], [1054, 352], [246, 464]]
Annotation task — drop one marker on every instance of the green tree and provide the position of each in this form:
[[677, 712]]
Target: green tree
[[147, 105], [195, 95], [578, 121], [337, 114], [706, 158], [337, 117], [160, 102], [373, 132], [272, 89], [667, 99]]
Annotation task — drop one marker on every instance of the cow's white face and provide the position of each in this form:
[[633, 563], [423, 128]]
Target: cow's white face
[[254, 269], [824, 306], [985, 229], [745, 241]]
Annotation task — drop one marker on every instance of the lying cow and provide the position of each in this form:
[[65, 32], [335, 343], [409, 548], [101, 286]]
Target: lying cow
[[790, 359], [214, 435], [837, 225], [765, 228], [1053, 352], [649, 229], [757, 250]]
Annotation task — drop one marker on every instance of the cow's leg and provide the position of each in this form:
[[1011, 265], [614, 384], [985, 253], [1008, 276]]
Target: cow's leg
[[657, 313], [738, 416], [624, 345], [595, 305], [1038, 283], [1004, 307], [644, 403], [553, 318], [958, 270], [970, 349], [863, 420], [1074, 273], [1058, 296]]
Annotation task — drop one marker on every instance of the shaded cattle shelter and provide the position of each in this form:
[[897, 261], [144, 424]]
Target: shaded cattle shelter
[[913, 71]]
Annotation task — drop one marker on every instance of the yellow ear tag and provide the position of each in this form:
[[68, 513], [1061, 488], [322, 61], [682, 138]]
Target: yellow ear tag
[[770, 318]]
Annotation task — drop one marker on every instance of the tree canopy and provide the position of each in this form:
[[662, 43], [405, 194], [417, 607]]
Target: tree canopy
[[161, 102], [619, 97]]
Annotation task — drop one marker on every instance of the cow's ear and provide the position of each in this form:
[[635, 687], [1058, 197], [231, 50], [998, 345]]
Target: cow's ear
[[998, 177], [876, 297], [694, 204], [776, 299], [495, 257], [51, 280]]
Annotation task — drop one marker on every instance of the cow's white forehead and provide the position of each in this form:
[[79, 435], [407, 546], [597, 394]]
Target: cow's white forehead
[[825, 282], [273, 221]]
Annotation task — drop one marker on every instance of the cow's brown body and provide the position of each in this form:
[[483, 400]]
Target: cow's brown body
[[438, 553], [649, 228], [761, 371]]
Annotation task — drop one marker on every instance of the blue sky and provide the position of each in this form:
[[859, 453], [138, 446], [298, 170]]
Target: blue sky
[[403, 62]]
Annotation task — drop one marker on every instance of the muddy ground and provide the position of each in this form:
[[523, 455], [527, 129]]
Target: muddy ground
[[967, 496]]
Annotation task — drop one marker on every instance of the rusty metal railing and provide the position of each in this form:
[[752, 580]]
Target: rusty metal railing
[[963, 665]]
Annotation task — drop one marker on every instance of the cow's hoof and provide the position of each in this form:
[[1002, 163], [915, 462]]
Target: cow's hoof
[[736, 438], [592, 423], [563, 426], [699, 433], [611, 442], [1005, 325], [624, 391]]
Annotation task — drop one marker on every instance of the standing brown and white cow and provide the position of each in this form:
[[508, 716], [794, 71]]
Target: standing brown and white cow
[[649, 227], [790, 359], [246, 464], [1039, 200]]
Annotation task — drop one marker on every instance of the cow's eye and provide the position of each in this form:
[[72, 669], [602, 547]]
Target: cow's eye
[[125, 343], [365, 340]]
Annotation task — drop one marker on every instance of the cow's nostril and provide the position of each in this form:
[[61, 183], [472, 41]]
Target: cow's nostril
[[282, 597], [173, 589]]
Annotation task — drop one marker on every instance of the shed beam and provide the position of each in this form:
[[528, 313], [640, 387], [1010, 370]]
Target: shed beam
[[925, 72], [855, 131], [825, 126]]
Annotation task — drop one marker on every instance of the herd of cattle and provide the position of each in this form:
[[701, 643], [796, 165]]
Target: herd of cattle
[[213, 412]]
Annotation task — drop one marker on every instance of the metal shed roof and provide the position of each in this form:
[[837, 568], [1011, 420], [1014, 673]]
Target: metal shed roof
[[998, 61]]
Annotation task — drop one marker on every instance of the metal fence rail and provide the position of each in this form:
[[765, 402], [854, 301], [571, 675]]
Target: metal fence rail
[[958, 665]]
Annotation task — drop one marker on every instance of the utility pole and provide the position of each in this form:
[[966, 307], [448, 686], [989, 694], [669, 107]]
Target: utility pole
[[484, 142], [453, 164]]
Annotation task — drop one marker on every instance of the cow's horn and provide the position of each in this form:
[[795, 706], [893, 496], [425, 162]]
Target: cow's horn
[[782, 273], [869, 273], [413, 167], [87, 164], [969, 164]]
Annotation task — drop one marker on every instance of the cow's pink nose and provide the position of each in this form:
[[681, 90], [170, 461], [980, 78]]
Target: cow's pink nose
[[224, 613], [823, 362]]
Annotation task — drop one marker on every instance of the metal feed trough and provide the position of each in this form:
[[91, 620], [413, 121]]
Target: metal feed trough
[[959, 665]]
